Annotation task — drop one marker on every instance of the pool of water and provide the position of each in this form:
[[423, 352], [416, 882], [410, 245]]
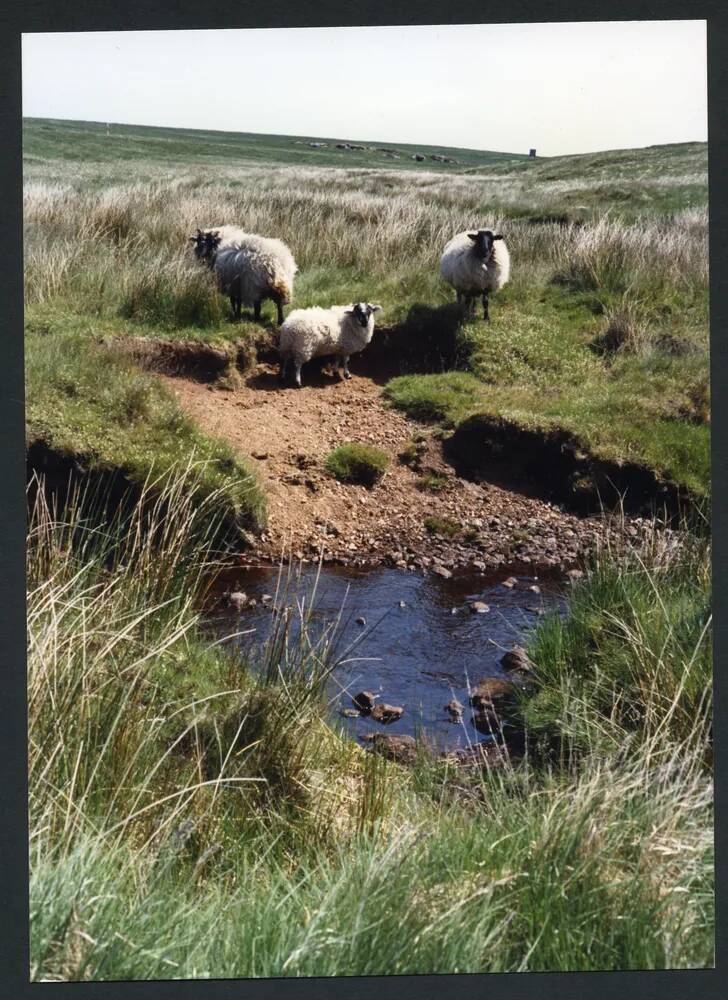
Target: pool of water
[[420, 646]]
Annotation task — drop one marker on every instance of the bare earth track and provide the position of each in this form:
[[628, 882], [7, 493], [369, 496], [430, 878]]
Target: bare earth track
[[288, 433]]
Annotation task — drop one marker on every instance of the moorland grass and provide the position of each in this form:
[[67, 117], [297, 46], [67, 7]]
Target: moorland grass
[[194, 815], [357, 463], [87, 401], [600, 244]]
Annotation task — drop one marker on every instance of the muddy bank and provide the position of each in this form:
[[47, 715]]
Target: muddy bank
[[422, 515], [554, 465]]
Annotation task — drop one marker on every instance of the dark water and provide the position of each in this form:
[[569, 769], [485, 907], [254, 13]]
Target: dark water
[[420, 655]]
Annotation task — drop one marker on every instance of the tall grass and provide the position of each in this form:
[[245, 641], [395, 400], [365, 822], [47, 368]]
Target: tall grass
[[373, 226], [193, 815]]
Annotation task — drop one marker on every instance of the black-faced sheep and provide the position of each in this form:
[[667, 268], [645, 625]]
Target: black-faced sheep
[[476, 264], [249, 268], [315, 333]]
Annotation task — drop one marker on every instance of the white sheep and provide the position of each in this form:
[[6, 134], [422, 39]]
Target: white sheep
[[476, 264], [249, 268], [316, 332]]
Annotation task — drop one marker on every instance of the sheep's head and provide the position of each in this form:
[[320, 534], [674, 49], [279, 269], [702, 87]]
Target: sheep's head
[[361, 311], [205, 244], [483, 240]]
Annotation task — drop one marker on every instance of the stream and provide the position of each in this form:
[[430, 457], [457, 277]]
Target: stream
[[418, 643]]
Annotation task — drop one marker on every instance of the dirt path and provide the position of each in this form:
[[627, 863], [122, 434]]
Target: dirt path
[[287, 434]]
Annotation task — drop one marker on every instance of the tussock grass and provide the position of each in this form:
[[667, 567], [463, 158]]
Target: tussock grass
[[193, 816], [89, 401], [635, 649], [609, 251], [357, 463]]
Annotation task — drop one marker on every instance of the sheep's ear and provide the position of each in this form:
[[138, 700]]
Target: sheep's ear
[[498, 236], [375, 309], [193, 238], [473, 236]]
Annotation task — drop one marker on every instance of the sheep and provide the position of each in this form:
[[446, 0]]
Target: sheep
[[475, 264], [316, 332], [249, 268]]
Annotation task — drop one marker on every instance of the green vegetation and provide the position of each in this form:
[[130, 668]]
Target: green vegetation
[[442, 526], [635, 648], [89, 402], [357, 463], [193, 815], [434, 482], [602, 332]]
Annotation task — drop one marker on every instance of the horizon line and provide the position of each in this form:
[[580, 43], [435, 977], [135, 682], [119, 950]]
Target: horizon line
[[290, 135]]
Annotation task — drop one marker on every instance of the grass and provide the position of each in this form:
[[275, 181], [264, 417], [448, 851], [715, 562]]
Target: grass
[[602, 332], [193, 815], [635, 648], [90, 403], [442, 526], [357, 463]]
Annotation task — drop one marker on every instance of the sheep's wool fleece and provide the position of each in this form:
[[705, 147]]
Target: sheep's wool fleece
[[316, 332], [252, 267], [466, 272]]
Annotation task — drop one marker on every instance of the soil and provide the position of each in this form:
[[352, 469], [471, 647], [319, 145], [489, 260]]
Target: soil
[[287, 433]]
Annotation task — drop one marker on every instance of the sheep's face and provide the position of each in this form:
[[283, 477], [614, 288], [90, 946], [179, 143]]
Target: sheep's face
[[205, 245], [483, 240], [361, 312]]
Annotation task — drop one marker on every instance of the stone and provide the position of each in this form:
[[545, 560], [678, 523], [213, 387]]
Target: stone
[[441, 571], [364, 701], [361, 620], [237, 599], [455, 710], [510, 582], [402, 749], [489, 691], [350, 713], [574, 574], [517, 659], [387, 713], [479, 608], [486, 721]]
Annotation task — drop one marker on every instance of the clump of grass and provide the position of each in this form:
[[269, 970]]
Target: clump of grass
[[442, 526], [443, 397], [635, 648], [434, 482], [175, 293], [625, 331], [91, 401], [357, 463]]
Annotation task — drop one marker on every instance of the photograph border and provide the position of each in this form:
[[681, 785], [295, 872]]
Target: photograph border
[[105, 15]]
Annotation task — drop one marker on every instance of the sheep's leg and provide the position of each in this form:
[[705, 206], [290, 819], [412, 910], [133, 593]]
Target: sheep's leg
[[279, 306], [256, 309], [298, 373], [282, 369], [344, 365], [460, 299], [486, 317]]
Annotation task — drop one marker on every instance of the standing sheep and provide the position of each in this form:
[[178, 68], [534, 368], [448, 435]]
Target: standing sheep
[[476, 264], [249, 268], [314, 333]]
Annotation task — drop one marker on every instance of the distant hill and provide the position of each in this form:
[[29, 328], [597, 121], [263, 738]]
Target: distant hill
[[76, 140]]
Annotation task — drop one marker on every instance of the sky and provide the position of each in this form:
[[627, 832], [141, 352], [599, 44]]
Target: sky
[[560, 88]]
